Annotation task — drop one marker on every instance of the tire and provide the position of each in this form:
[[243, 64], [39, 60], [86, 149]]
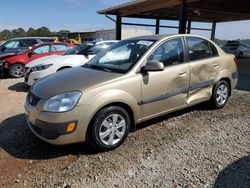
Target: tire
[[17, 70], [103, 134], [220, 95]]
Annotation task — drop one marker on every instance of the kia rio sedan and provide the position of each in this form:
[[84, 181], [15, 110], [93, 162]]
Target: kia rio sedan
[[133, 81]]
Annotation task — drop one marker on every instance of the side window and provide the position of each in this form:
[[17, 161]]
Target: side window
[[169, 53], [27, 42], [12, 44], [42, 49], [214, 51], [59, 47], [198, 48]]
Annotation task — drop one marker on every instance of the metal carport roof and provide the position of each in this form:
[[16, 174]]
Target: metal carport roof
[[183, 10]]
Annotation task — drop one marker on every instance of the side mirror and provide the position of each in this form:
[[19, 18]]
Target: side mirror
[[30, 54], [153, 66]]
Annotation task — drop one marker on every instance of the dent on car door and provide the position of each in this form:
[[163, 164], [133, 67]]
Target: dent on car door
[[166, 90], [204, 67]]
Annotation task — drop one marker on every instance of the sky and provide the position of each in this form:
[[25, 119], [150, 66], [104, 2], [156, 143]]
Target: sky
[[80, 15]]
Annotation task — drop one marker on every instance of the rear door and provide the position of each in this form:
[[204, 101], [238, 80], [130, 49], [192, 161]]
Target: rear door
[[204, 68], [166, 90]]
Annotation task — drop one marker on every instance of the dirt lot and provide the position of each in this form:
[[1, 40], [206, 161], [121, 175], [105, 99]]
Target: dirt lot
[[196, 147]]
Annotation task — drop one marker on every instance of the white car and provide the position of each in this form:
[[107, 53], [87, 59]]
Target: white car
[[74, 57]]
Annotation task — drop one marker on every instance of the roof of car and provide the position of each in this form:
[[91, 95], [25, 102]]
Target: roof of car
[[19, 38], [150, 37]]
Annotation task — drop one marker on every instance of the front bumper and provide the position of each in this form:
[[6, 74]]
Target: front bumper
[[51, 127], [31, 77]]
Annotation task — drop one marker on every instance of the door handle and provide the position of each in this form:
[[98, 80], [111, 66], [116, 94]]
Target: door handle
[[183, 73], [216, 65]]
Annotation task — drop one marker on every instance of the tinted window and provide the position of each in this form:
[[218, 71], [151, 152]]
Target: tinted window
[[27, 42], [59, 47], [47, 40], [198, 48], [42, 49], [169, 53], [79, 50], [214, 51], [12, 44]]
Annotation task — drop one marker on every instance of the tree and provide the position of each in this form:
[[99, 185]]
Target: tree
[[6, 34], [31, 32], [43, 32]]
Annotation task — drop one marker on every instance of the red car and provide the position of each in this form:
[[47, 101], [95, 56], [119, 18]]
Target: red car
[[15, 63]]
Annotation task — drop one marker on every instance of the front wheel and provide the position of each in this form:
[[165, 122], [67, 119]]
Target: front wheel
[[17, 70], [110, 128], [220, 95]]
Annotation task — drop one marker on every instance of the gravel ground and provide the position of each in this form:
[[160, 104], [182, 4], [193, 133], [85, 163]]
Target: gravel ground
[[196, 147]]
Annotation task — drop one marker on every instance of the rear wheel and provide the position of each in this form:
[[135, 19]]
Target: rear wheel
[[17, 70], [220, 95], [110, 128]]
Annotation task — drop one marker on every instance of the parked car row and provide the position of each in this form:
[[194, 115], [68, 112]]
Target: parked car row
[[74, 57], [15, 63], [131, 81], [236, 48]]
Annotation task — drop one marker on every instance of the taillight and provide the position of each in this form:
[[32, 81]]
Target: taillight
[[235, 61]]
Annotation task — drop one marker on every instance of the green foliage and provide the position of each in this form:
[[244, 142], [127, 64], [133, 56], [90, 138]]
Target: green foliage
[[20, 32]]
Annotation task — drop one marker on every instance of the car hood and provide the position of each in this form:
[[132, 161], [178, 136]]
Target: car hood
[[55, 59], [74, 79]]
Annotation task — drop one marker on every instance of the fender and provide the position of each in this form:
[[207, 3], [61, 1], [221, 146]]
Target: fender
[[114, 96]]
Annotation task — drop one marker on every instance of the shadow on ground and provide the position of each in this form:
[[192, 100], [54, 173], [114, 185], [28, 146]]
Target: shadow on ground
[[18, 141], [235, 175], [19, 87], [243, 82]]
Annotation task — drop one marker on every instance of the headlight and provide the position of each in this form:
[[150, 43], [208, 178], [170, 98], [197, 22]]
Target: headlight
[[40, 67], [62, 102]]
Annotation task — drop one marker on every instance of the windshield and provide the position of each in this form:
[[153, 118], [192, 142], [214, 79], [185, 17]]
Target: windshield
[[79, 50], [120, 57]]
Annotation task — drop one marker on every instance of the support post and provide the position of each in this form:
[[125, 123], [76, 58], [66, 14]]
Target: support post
[[189, 27], [213, 31], [157, 26], [183, 17], [118, 27]]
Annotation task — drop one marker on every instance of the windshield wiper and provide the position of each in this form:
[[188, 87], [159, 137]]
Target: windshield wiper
[[97, 67]]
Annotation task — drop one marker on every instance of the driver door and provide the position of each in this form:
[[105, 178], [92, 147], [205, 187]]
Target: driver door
[[166, 90]]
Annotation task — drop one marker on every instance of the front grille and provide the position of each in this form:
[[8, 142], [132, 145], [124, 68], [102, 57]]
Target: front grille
[[32, 99]]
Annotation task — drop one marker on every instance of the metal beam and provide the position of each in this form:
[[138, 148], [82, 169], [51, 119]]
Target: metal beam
[[189, 27], [157, 26], [213, 31], [183, 17], [118, 27]]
